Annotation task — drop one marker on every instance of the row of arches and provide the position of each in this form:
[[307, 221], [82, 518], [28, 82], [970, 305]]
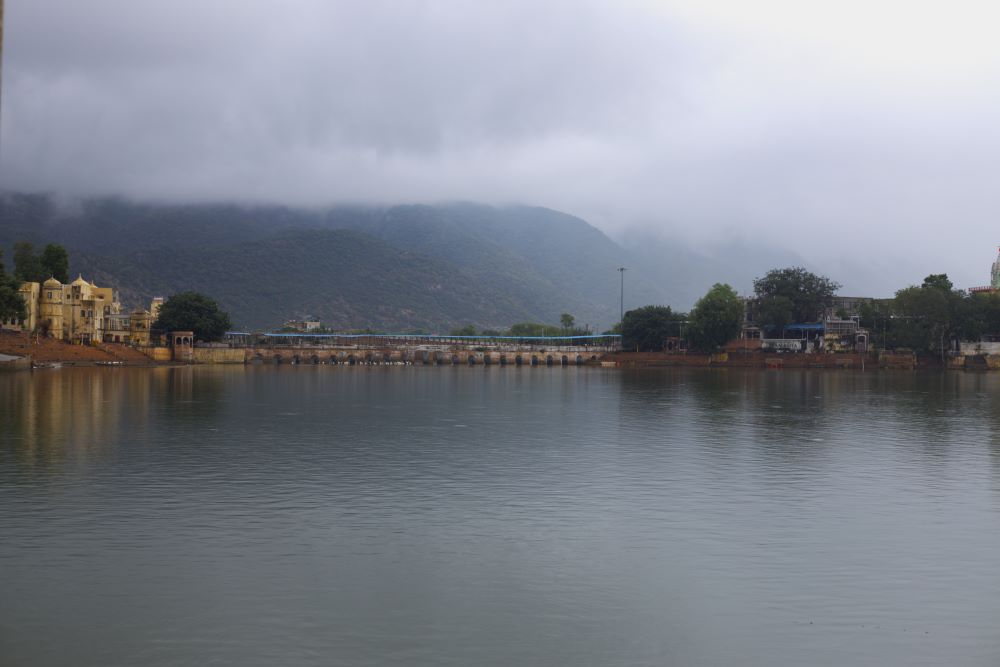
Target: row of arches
[[420, 357]]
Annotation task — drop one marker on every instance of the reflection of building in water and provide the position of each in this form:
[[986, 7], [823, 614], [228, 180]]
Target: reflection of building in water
[[74, 414], [82, 312]]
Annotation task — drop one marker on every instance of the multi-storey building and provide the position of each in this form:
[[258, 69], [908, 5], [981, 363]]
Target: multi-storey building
[[82, 312]]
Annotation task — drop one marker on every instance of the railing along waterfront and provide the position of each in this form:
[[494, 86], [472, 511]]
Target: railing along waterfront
[[591, 342]]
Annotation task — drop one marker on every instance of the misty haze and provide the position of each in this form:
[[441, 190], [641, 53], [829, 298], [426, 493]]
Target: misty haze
[[427, 332], [849, 135]]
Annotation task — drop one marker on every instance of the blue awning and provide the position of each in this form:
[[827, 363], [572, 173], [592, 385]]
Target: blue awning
[[436, 336]]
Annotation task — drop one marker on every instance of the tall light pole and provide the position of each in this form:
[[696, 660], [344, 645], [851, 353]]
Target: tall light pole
[[621, 302]]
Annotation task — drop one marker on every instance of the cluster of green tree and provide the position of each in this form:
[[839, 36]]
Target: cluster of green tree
[[792, 295], [715, 320], [29, 267], [567, 327], [191, 311], [11, 304], [34, 267], [926, 318], [782, 296]]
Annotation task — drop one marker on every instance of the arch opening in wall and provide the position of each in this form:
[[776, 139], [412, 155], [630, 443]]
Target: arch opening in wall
[[549, 360], [351, 360], [471, 359], [454, 360], [564, 361], [534, 360], [579, 360], [518, 360]]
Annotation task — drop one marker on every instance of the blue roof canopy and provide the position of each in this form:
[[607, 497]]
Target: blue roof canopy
[[435, 336]]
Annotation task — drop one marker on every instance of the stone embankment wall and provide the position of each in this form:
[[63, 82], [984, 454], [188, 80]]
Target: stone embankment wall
[[981, 348], [219, 355], [158, 354], [759, 360]]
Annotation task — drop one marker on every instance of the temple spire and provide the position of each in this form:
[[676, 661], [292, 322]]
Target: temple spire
[[995, 274]]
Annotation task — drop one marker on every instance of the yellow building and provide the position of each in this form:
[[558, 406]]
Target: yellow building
[[82, 312], [140, 322], [30, 293]]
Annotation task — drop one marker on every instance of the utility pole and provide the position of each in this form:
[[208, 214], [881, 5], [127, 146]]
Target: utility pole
[[621, 303]]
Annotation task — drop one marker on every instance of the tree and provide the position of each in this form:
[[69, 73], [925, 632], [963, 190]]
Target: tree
[[646, 329], [27, 264], [792, 295], [191, 311], [567, 321], [11, 302], [875, 315], [980, 315], [925, 317], [534, 329], [775, 312], [716, 319], [938, 281], [30, 267], [55, 262], [467, 330]]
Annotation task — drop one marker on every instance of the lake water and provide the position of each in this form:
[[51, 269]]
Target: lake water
[[498, 516]]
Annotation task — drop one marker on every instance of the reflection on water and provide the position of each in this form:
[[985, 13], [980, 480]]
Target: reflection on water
[[53, 416], [497, 516]]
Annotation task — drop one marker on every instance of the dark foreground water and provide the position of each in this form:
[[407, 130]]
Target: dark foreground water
[[498, 516]]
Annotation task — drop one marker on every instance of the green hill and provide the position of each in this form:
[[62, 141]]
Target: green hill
[[404, 267], [413, 267], [347, 279]]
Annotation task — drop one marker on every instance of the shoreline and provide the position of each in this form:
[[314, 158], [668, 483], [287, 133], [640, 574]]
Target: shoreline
[[22, 352], [617, 360]]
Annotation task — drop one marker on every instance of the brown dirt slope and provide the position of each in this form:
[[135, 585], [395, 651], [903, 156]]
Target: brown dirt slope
[[49, 350]]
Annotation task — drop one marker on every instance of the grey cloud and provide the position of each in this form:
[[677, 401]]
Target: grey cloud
[[629, 114]]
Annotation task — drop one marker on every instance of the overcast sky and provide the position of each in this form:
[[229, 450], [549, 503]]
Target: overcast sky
[[848, 131]]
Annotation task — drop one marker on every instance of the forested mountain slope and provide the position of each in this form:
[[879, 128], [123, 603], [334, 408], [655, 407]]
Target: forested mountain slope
[[412, 267]]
